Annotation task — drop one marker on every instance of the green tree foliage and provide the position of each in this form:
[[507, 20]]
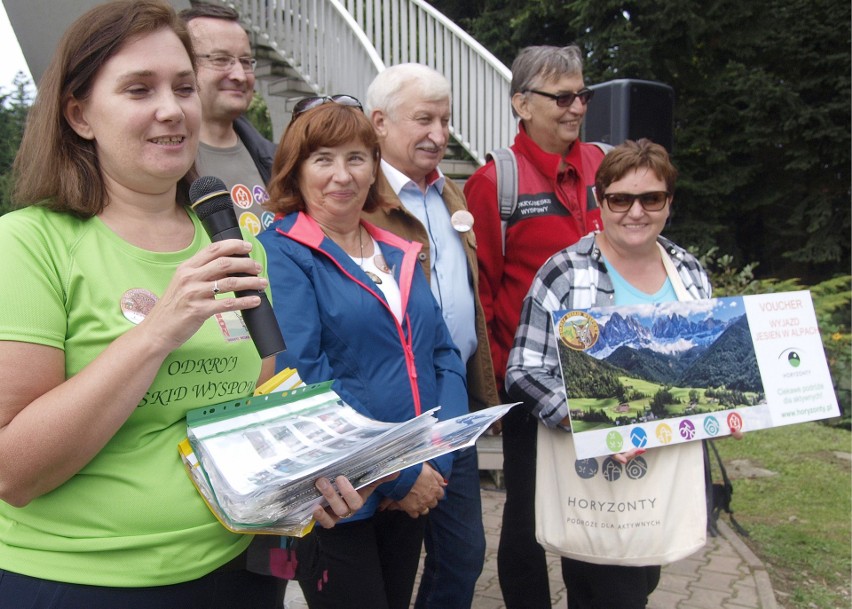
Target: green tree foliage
[[634, 395], [258, 115], [729, 398], [588, 377], [661, 399], [832, 300], [731, 358], [14, 106], [762, 121], [527, 21]]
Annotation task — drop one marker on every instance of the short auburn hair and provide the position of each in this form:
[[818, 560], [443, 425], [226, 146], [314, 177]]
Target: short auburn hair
[[329, 125], [626, 157]]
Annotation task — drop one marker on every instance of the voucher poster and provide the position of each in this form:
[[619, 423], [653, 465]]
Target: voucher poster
[[652, 375]]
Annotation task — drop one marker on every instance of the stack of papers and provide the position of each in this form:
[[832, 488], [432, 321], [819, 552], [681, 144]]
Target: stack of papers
[[255, 461]]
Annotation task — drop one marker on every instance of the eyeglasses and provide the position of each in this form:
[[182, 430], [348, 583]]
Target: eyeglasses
[[309, 103], [621, 202], [226, 62], [563, 100]]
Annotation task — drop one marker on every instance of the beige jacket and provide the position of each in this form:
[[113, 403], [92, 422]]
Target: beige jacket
[[482, 391]]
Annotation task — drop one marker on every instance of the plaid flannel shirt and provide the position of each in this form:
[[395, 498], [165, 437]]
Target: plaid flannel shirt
[[574, 278]]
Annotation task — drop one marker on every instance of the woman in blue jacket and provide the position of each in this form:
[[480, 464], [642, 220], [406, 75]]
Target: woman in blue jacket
[[354, 307]]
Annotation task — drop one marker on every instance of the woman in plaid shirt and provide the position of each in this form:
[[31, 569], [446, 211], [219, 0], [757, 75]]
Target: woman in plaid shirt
[[623, 265]]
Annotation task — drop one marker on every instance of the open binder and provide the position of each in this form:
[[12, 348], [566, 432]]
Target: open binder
[[255, 460]]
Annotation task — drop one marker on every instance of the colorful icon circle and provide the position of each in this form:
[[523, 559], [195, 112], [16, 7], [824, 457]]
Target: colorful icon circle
[[614, 441]]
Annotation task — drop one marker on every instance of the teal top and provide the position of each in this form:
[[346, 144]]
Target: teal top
[[626, 294]]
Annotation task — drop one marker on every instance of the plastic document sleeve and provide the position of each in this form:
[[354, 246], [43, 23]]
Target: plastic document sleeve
[[255, 461]]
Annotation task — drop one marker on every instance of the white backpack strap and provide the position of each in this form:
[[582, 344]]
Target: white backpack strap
[[591, 200], [677, 283], [507, 186], [605, 148]]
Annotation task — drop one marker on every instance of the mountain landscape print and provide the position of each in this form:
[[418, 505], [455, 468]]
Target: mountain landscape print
[[637, 364]]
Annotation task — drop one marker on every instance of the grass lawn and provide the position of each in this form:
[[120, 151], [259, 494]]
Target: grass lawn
[[637, 408], [799, 521]]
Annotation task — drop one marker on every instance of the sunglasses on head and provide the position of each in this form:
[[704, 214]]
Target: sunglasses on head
[[308, 103], [621, 202], [563, 100]]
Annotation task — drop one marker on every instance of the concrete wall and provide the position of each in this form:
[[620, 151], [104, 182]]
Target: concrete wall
[[39, 25]]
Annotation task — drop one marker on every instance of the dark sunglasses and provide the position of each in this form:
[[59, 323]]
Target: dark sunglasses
[[621, 202], [563, 100], [308, 103]]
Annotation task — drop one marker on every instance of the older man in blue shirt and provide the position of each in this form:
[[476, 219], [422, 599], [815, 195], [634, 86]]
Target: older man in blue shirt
[[409, 106], [448, 268]]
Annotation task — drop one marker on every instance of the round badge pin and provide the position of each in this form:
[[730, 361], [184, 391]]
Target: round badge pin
[[578, 330], [136, 303], [462, 220]]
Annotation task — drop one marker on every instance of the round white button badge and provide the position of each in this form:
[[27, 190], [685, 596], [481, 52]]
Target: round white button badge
[[462, 220]]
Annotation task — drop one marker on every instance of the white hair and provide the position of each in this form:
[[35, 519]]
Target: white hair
[[384, 93]]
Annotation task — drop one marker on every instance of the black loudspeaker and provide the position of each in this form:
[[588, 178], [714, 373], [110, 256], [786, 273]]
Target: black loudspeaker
[[629, 109]]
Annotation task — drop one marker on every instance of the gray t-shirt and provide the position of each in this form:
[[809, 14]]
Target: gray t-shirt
[[235, 167]]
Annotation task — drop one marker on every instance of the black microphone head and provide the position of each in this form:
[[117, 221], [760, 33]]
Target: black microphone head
[[209, 195]]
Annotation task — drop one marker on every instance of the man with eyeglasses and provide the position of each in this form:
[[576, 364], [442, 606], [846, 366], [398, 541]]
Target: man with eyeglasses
[[230, 148], [409, 106], [556, 207]]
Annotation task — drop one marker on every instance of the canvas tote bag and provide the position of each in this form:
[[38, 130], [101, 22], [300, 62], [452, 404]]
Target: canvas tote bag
[[651, 511]]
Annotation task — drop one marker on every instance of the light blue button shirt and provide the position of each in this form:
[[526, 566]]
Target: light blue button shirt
[[449, 273]]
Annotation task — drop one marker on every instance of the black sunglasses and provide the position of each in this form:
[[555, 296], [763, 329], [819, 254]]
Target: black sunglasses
[[308, 103], [621, 202], [563, 100]]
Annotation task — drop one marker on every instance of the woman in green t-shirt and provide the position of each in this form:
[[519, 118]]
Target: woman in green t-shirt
[[111, 330]]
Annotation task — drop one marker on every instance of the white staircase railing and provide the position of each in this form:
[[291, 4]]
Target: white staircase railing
[[319, 39], [338, 46], [412, 30]]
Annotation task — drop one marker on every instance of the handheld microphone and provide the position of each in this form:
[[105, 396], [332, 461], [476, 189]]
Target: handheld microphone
[[213, 206]]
